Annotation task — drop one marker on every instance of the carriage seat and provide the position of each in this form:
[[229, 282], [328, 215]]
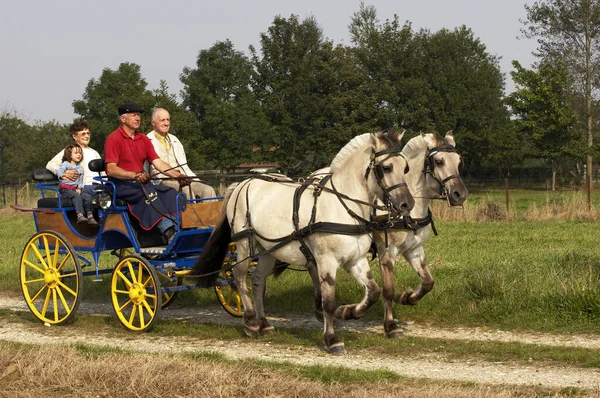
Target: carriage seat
[[51, 181], [45, 176]]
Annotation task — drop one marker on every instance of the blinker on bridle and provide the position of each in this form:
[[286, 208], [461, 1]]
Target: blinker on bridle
[[430, 165], [379, 172]]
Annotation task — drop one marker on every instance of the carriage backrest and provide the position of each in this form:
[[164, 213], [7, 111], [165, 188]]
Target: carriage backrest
[[43, 175], [97, 165]]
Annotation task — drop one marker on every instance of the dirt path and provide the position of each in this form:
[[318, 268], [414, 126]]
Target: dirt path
[[432, 367]]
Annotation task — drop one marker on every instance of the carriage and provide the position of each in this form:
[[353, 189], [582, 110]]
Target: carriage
[[148, 273], [332, 226]]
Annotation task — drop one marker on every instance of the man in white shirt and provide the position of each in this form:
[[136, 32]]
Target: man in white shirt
[[170, 149], [80, 132]]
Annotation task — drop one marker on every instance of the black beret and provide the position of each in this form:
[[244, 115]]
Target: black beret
[[129, 108]]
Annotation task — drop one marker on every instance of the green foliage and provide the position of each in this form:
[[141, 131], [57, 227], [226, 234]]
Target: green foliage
[[466, 96], [103, 96], [392, 63], [544, 116], [20, 156], [231, 122]]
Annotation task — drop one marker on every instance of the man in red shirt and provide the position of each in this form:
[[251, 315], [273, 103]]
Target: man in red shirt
[[125, 151]]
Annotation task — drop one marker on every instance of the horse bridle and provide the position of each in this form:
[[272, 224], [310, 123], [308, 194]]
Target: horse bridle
[[430, 166], [378, 171]]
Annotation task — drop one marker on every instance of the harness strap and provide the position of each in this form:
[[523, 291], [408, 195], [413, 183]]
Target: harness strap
[[296, 207], [321, 226]]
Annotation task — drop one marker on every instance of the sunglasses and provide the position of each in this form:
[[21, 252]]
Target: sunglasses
[[85, 133]]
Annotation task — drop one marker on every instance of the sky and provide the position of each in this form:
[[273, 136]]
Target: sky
[[51, 49]]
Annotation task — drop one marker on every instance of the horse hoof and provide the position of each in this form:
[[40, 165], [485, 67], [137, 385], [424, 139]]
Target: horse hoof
[[346, 312], [394, 334], [251, 332], [337, 349], [267, 330]]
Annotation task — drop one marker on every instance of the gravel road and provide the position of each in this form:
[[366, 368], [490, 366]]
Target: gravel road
[[423, 366]]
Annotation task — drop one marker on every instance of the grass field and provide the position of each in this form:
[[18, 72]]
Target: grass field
[[541, 275]]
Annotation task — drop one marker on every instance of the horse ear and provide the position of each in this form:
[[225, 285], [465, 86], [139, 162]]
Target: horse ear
[[450, 138], [401, 134]]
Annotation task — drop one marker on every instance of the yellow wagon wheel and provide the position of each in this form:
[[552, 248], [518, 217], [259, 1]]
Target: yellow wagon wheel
[[136, 293], [228, 295], [167, 297], [51, 278]]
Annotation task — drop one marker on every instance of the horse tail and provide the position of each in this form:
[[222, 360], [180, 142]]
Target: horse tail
[[211, 258]]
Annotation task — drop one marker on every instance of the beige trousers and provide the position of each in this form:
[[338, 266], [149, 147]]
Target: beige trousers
[[199, 189]]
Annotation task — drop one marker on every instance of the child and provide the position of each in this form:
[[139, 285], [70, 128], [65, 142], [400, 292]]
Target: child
[[73, 189]]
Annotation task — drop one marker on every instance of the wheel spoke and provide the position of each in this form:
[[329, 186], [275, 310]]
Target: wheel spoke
[[131, 271], [133, 311], [124, 278], [125, 305], [39, 256], [142, 321], [68, 289], [140, 274], [46, 247], [39, 292], [148, 308], [121, 291], [62, 263], [46, 301], [63, 301], [56, 253], [34, 281], [55, 305], [35, 267]]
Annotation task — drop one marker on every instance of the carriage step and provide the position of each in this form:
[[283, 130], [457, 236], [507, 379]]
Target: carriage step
[[153, 250]]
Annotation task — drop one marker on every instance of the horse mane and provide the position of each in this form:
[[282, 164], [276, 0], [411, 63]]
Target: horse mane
[[348, 150], [417, 144]]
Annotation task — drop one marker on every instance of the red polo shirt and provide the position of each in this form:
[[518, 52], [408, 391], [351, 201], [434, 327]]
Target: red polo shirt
[[128, 152]]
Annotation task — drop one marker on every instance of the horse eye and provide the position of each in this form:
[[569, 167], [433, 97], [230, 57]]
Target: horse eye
[[439, 162], [387, 169]]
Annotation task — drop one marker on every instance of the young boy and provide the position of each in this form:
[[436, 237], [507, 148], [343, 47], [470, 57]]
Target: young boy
[[72, 157]]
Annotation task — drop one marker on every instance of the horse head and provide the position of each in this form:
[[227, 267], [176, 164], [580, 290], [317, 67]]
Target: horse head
[[389, 169], [441, 163]]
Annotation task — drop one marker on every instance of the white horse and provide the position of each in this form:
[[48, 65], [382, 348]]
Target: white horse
[[322, 224], [433, 174]]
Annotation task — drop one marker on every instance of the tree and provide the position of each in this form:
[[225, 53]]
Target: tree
[[103, 96], [543, 113], [466, 93], [393, 65], [570, 30], [218, 93], [21, 142]]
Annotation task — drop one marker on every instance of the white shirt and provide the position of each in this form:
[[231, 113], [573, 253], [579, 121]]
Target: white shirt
[[175, 156], [88, 154]]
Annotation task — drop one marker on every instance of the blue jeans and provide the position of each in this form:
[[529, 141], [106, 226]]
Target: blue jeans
[[165, 224], [82, 202]]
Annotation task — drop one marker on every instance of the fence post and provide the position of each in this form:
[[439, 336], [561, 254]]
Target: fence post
[[507, 202]]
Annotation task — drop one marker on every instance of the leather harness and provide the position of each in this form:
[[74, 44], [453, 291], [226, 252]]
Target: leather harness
[[364, 226]]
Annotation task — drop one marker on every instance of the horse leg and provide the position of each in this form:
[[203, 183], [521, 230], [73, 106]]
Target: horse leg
[[386, 263], [259, 281], [416, 259], [362, 273], [327, 274], [314, 276], [240, 273]]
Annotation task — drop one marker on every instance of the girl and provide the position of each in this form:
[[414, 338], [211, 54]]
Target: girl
[[73, 190]]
